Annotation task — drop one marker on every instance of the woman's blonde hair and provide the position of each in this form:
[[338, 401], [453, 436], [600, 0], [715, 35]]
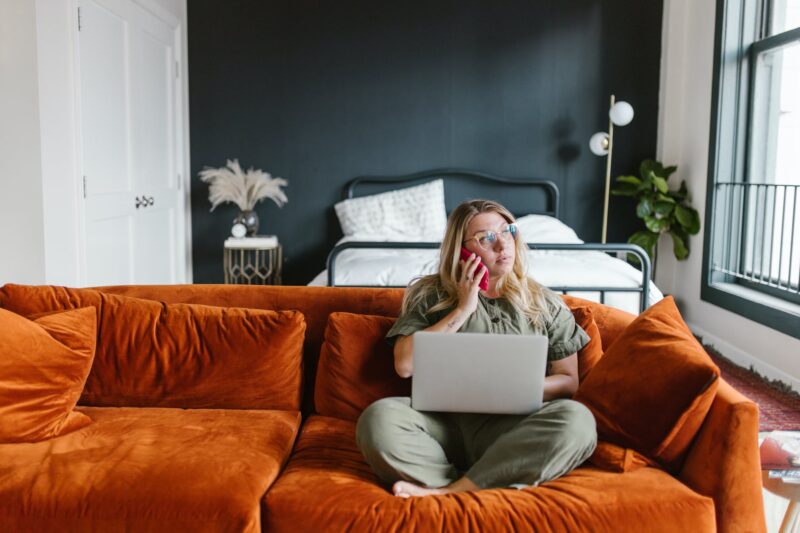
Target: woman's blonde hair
[[522, 291]]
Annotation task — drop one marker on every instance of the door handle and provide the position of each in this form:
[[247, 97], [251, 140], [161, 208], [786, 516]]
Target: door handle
[[144, 201]]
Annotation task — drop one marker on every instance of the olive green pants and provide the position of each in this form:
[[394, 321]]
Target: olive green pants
[[434, 449]]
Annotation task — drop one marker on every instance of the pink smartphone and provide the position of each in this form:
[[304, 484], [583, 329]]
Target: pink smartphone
[[484, 284]]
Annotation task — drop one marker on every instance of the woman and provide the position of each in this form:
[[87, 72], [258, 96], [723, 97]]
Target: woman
[[424, 453]]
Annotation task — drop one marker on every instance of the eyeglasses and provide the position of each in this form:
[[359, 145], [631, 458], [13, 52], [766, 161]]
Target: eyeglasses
[[487, 239]]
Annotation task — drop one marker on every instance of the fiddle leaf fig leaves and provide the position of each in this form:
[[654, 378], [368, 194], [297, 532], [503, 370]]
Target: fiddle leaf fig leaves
[[688, 218], [644, 208], [647, 240], [669, 171], [661, 184], [681, 193], [663, 210], [679, 246], [629, 179], [647, 166], [665, 198], [656, 225]]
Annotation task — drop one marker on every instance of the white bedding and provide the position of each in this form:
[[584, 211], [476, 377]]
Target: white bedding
[[551, 268]]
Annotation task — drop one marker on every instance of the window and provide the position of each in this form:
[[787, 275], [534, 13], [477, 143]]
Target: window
[[752, 242]]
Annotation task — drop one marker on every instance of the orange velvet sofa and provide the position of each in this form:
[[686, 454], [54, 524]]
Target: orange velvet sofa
[[228, 463]]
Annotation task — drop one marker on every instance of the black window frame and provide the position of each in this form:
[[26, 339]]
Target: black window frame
[[741, 32]]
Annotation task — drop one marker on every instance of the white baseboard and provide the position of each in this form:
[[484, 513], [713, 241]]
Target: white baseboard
[[742, 358]]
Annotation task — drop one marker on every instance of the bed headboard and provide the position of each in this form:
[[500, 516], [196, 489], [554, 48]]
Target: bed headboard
[[521, 196]]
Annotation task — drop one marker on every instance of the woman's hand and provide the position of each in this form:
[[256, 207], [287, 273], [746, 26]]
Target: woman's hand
[[472, 271]]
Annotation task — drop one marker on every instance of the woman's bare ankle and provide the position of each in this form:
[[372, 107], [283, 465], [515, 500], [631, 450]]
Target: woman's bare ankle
[[463, 484]]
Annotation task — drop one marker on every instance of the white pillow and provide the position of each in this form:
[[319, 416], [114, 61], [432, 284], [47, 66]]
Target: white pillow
[[543, 228], [415, 213]]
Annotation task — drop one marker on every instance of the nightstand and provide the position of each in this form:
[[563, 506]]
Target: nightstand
[[253, 260]]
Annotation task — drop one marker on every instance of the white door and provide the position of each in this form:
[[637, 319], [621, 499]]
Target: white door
[[133, 207]]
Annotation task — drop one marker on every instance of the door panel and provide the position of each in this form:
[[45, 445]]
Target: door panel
[[109, 256], [154, 140], [104, 98], [154, 241]]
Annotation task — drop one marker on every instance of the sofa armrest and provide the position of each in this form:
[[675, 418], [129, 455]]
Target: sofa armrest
[[724, 462]]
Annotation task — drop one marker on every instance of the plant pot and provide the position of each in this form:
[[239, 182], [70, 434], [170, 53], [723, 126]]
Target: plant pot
[[250, 221]]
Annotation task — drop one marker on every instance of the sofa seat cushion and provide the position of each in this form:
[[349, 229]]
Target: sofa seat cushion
[[328, 486], [148, 469]]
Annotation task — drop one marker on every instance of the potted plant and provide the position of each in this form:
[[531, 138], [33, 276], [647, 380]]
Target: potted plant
[[245, 189], [662, 209]]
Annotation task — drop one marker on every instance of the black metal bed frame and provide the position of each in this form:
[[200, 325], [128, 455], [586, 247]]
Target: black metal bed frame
[[428, 175], [550, 188]]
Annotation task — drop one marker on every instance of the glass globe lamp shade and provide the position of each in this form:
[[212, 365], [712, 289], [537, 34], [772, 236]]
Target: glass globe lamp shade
[[621, 113], [598, 143]]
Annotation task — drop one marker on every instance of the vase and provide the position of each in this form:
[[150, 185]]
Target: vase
[[250, 221]]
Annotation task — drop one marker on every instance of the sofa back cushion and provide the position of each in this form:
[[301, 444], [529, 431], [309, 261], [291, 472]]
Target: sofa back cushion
[[653, 386], [153, 354], [315, 303], [356, 366], [43, 368]]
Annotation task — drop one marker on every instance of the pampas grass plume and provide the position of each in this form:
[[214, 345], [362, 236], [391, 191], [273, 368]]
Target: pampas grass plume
[[245, 189]]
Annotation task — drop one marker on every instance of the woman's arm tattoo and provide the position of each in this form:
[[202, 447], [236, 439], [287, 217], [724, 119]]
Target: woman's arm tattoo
[[453, 322]]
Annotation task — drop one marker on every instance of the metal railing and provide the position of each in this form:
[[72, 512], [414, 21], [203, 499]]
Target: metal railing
[[757, 237], [643, 290]]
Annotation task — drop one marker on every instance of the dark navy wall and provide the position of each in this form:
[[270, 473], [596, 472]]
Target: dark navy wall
[[320, 92]]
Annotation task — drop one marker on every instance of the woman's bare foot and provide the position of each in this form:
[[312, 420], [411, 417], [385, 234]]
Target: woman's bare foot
[[404, 489]]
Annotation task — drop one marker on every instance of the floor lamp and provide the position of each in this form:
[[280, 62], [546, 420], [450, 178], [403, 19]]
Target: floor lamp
[[602, 144]]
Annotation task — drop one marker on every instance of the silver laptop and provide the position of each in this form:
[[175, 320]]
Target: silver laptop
[[478, 372]]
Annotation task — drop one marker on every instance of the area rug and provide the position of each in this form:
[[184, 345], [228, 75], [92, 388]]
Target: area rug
[[778, 404]]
